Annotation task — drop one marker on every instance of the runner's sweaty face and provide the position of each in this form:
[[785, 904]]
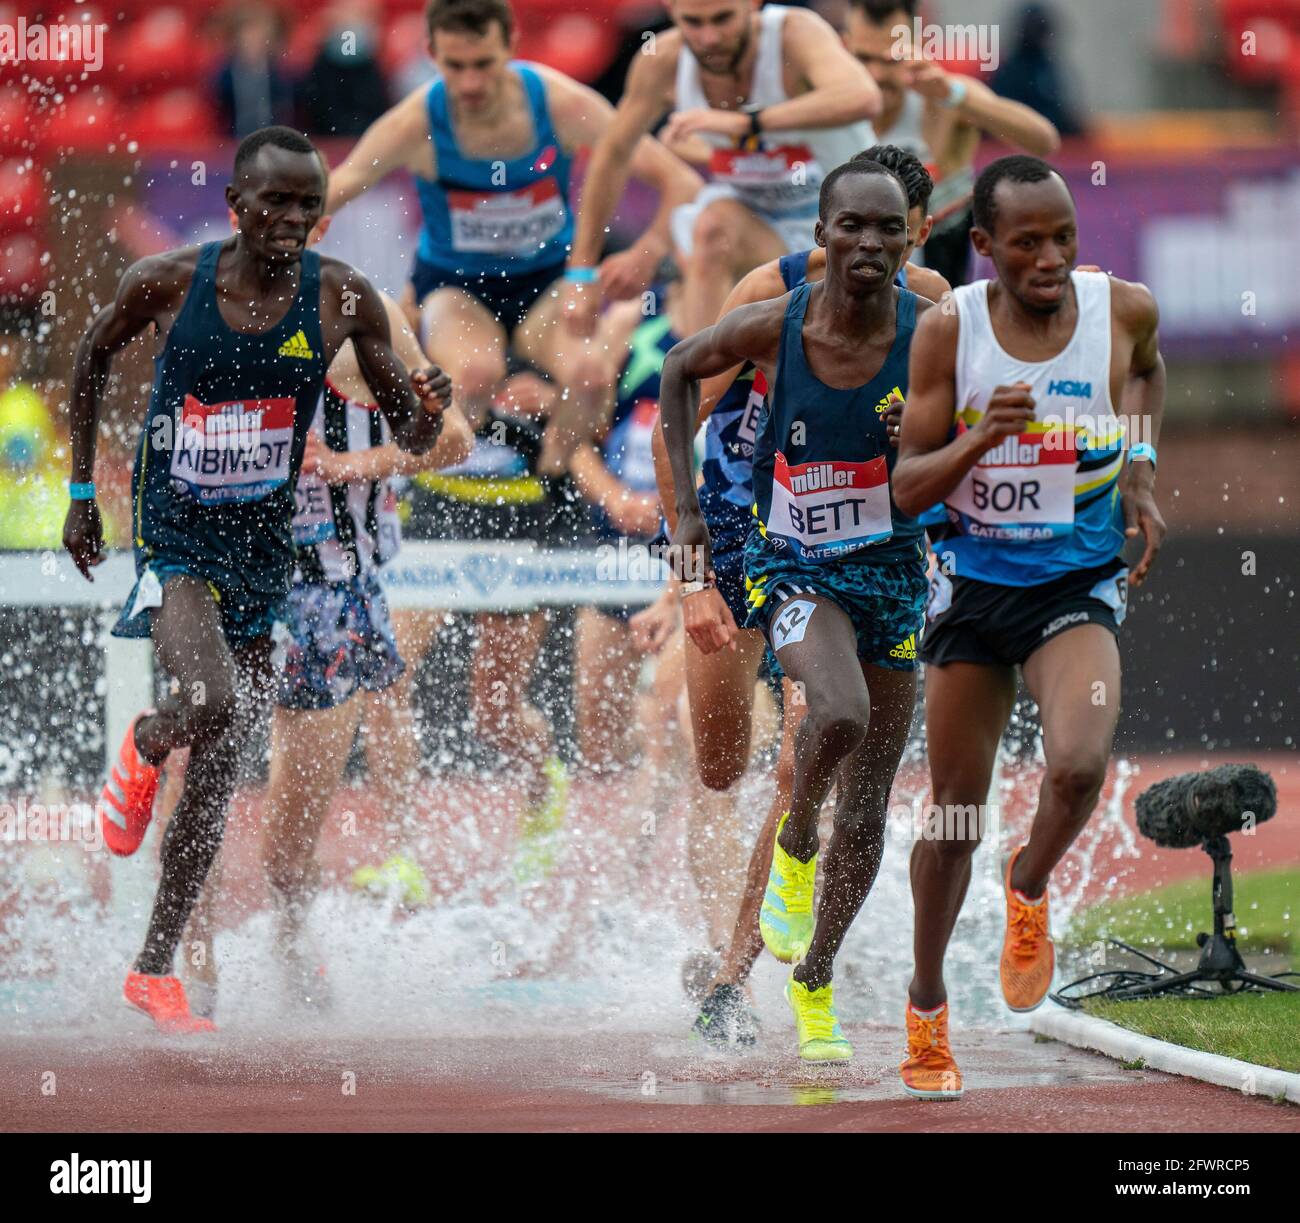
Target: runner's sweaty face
[[279, 198], [1034, 243], [473, 66], [876, 49], [865, 231], [716, 31]]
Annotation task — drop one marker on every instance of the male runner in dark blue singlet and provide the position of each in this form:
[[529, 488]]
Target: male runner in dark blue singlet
[[249, 327], [836, 572]]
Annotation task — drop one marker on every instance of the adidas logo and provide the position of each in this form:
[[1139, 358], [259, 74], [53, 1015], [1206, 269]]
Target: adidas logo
[[905, 649], [297, 346]]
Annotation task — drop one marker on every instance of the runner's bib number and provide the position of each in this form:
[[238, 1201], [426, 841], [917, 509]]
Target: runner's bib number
[[506, 222], [828, 509], [771, 180], [1020, 491], [232, 452], [313, 518]]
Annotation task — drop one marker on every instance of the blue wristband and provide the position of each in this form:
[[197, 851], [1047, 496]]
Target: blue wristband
[[1143, 450], [581, 276], [81, 492]]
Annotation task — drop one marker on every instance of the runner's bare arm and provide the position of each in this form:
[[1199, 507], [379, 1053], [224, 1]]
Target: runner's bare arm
[[759, 285], [840, 92], [149, 292], [924, 282], [1142, 400], [582, 117], [378, 462], [397, 140], [749, 333], [644, 99], [929, 466], [351, 309], [1011, 122]]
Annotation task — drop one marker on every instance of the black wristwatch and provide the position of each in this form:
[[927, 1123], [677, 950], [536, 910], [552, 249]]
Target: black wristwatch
[[753, 110]]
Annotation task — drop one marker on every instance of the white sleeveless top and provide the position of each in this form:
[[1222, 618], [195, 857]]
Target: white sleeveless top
[[781, 177], [1025, 489], [952, 193], [345, 530]]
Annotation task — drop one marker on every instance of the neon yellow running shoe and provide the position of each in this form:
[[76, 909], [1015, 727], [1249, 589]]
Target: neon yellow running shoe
[[820, 1037], [538, 846], [399, 877], [786, 918]]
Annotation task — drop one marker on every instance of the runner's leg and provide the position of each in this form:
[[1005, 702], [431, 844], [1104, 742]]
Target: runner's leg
[[217, 697], [746, 943], [1075, 678], [505, 651], [728, 241], [605, 695], [389, 729], [309, 750], [464, 339], [966, 708], [862, 796]]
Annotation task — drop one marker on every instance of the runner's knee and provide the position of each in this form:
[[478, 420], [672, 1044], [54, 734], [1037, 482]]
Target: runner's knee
[[714, 235], [841, 721], [1076, 781], [479, 376], [720, 771]]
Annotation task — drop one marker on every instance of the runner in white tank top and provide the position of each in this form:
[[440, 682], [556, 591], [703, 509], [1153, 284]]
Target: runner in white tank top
[[941, 117], [767, 100], [1009, 422]]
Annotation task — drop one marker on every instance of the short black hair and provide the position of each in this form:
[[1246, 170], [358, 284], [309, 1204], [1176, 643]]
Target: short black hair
[[852, 166], [879, 11], [907, 169], [469, 17], [277, 137], [1019, 168]]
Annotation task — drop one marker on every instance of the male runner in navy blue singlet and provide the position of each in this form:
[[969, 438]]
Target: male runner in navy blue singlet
[[249, 327], [835, 572]]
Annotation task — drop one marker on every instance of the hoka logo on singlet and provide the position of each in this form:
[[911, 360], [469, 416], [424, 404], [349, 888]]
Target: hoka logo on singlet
[[297, 346], [1070, 389]]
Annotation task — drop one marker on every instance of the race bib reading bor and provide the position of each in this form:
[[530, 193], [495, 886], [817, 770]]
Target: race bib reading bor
[[1020, 491], [237, 451], [771, 180], [506, 222], [828, 509]]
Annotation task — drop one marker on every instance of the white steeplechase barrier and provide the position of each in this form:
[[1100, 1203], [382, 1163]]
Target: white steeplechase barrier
[[458, 577]]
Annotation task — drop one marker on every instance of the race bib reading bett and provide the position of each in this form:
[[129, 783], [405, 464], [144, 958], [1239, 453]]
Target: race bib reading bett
[[506, 222], [236, 451], [1020, 491], [829, 509]]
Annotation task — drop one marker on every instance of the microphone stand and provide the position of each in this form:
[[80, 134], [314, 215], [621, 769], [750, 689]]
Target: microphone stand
[[1220, 963]]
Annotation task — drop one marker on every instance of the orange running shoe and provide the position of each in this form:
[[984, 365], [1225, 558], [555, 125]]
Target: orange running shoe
[[1028, 954], [126, 802], [929, 1071], [163, 1000]]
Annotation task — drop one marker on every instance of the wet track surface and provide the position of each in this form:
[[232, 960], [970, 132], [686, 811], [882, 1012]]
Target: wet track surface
[[623, 1082]]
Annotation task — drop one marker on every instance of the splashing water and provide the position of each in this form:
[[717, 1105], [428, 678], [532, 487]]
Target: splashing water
[[599, 945]]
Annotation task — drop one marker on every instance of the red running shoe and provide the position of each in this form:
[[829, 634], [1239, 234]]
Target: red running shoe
[[163, 1000], [126, 802]]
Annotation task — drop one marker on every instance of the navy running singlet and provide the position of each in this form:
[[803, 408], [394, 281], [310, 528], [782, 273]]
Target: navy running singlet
[[823, 490], [223, 441]]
